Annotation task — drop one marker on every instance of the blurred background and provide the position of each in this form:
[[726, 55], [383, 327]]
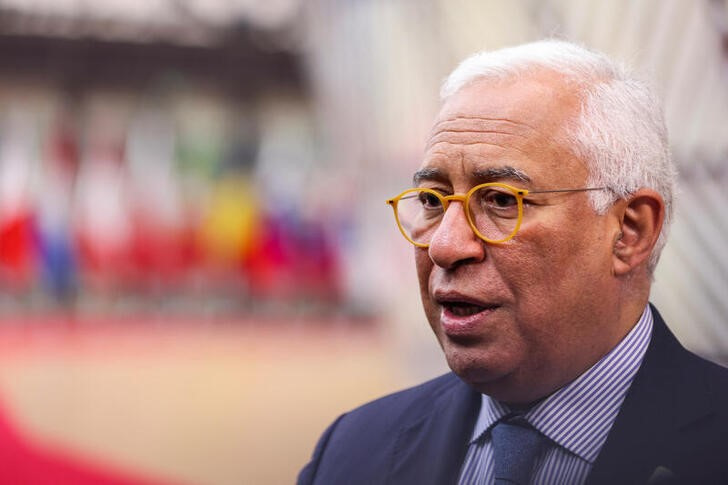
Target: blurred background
[[197, 268]]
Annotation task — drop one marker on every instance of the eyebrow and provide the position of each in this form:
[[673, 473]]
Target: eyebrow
[[482, 175], [428, 174]]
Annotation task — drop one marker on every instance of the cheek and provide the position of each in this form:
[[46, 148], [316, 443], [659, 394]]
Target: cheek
[[538, 255], [554, 269], [424, 271]]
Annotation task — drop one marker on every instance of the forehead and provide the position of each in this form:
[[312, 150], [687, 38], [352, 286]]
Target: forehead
[[514, 125]]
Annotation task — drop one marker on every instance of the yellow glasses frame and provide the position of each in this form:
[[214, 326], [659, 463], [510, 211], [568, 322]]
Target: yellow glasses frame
[[445, 200]]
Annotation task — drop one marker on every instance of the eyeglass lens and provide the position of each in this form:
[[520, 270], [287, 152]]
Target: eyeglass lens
[[493, 211]]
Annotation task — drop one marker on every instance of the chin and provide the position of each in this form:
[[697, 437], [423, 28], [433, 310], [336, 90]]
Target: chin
[[489, 373], [474, 366]]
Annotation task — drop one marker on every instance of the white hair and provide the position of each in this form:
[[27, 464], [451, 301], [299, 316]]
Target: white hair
[[620, 132]]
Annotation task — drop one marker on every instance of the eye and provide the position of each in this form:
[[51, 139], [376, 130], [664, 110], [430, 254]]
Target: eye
[[429, 201], [498, 199]]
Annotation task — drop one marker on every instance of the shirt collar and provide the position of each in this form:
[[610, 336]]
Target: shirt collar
[[579, 416]]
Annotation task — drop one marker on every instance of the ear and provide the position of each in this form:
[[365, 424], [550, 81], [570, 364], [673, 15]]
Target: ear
[[641, 223]]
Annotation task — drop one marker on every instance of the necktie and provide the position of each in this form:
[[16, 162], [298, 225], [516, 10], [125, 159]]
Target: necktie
[[516, 444]]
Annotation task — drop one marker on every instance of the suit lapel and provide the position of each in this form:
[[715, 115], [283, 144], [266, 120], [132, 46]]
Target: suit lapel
[[657, 404], [431, 449]]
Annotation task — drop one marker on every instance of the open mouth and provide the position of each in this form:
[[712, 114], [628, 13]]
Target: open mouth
[[462, 309]]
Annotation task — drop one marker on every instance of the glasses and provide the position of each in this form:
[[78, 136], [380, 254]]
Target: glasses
[[494, 211]]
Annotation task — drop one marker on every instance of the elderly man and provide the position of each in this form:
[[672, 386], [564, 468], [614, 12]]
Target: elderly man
[[537, 217]]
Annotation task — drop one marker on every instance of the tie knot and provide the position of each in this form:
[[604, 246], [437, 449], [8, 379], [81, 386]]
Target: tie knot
[[516, 445], [516, 419]]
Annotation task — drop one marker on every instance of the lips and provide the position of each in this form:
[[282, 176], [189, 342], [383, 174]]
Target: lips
[[462, 315]]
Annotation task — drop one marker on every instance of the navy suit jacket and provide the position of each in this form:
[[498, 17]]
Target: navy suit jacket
[[671, 428]]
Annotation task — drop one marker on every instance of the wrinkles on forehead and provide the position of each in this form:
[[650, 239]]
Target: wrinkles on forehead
[[479, 123], [470, 130]]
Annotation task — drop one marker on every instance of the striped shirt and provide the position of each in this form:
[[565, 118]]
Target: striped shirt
[[576, 418]]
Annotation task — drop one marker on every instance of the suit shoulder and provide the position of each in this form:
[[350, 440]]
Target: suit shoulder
[[715, 376], [408, 406], [678, 364], [362, 442]]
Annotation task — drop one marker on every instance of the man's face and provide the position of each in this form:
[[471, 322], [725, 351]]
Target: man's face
[[520, 319]]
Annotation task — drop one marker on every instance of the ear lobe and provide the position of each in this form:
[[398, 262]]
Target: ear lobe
[[640, 228]]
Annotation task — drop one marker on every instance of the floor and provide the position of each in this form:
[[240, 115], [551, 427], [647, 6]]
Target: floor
[[225, 402]]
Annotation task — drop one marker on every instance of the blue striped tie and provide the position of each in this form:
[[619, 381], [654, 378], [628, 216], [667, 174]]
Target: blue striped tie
[[516, 444]]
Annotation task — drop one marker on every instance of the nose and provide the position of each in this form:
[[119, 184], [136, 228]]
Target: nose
[[454, 242]]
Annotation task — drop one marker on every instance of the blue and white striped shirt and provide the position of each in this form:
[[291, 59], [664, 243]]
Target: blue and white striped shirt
[[576, 418]]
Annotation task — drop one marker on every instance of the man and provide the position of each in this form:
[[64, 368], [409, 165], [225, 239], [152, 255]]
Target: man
[[538, 217]]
